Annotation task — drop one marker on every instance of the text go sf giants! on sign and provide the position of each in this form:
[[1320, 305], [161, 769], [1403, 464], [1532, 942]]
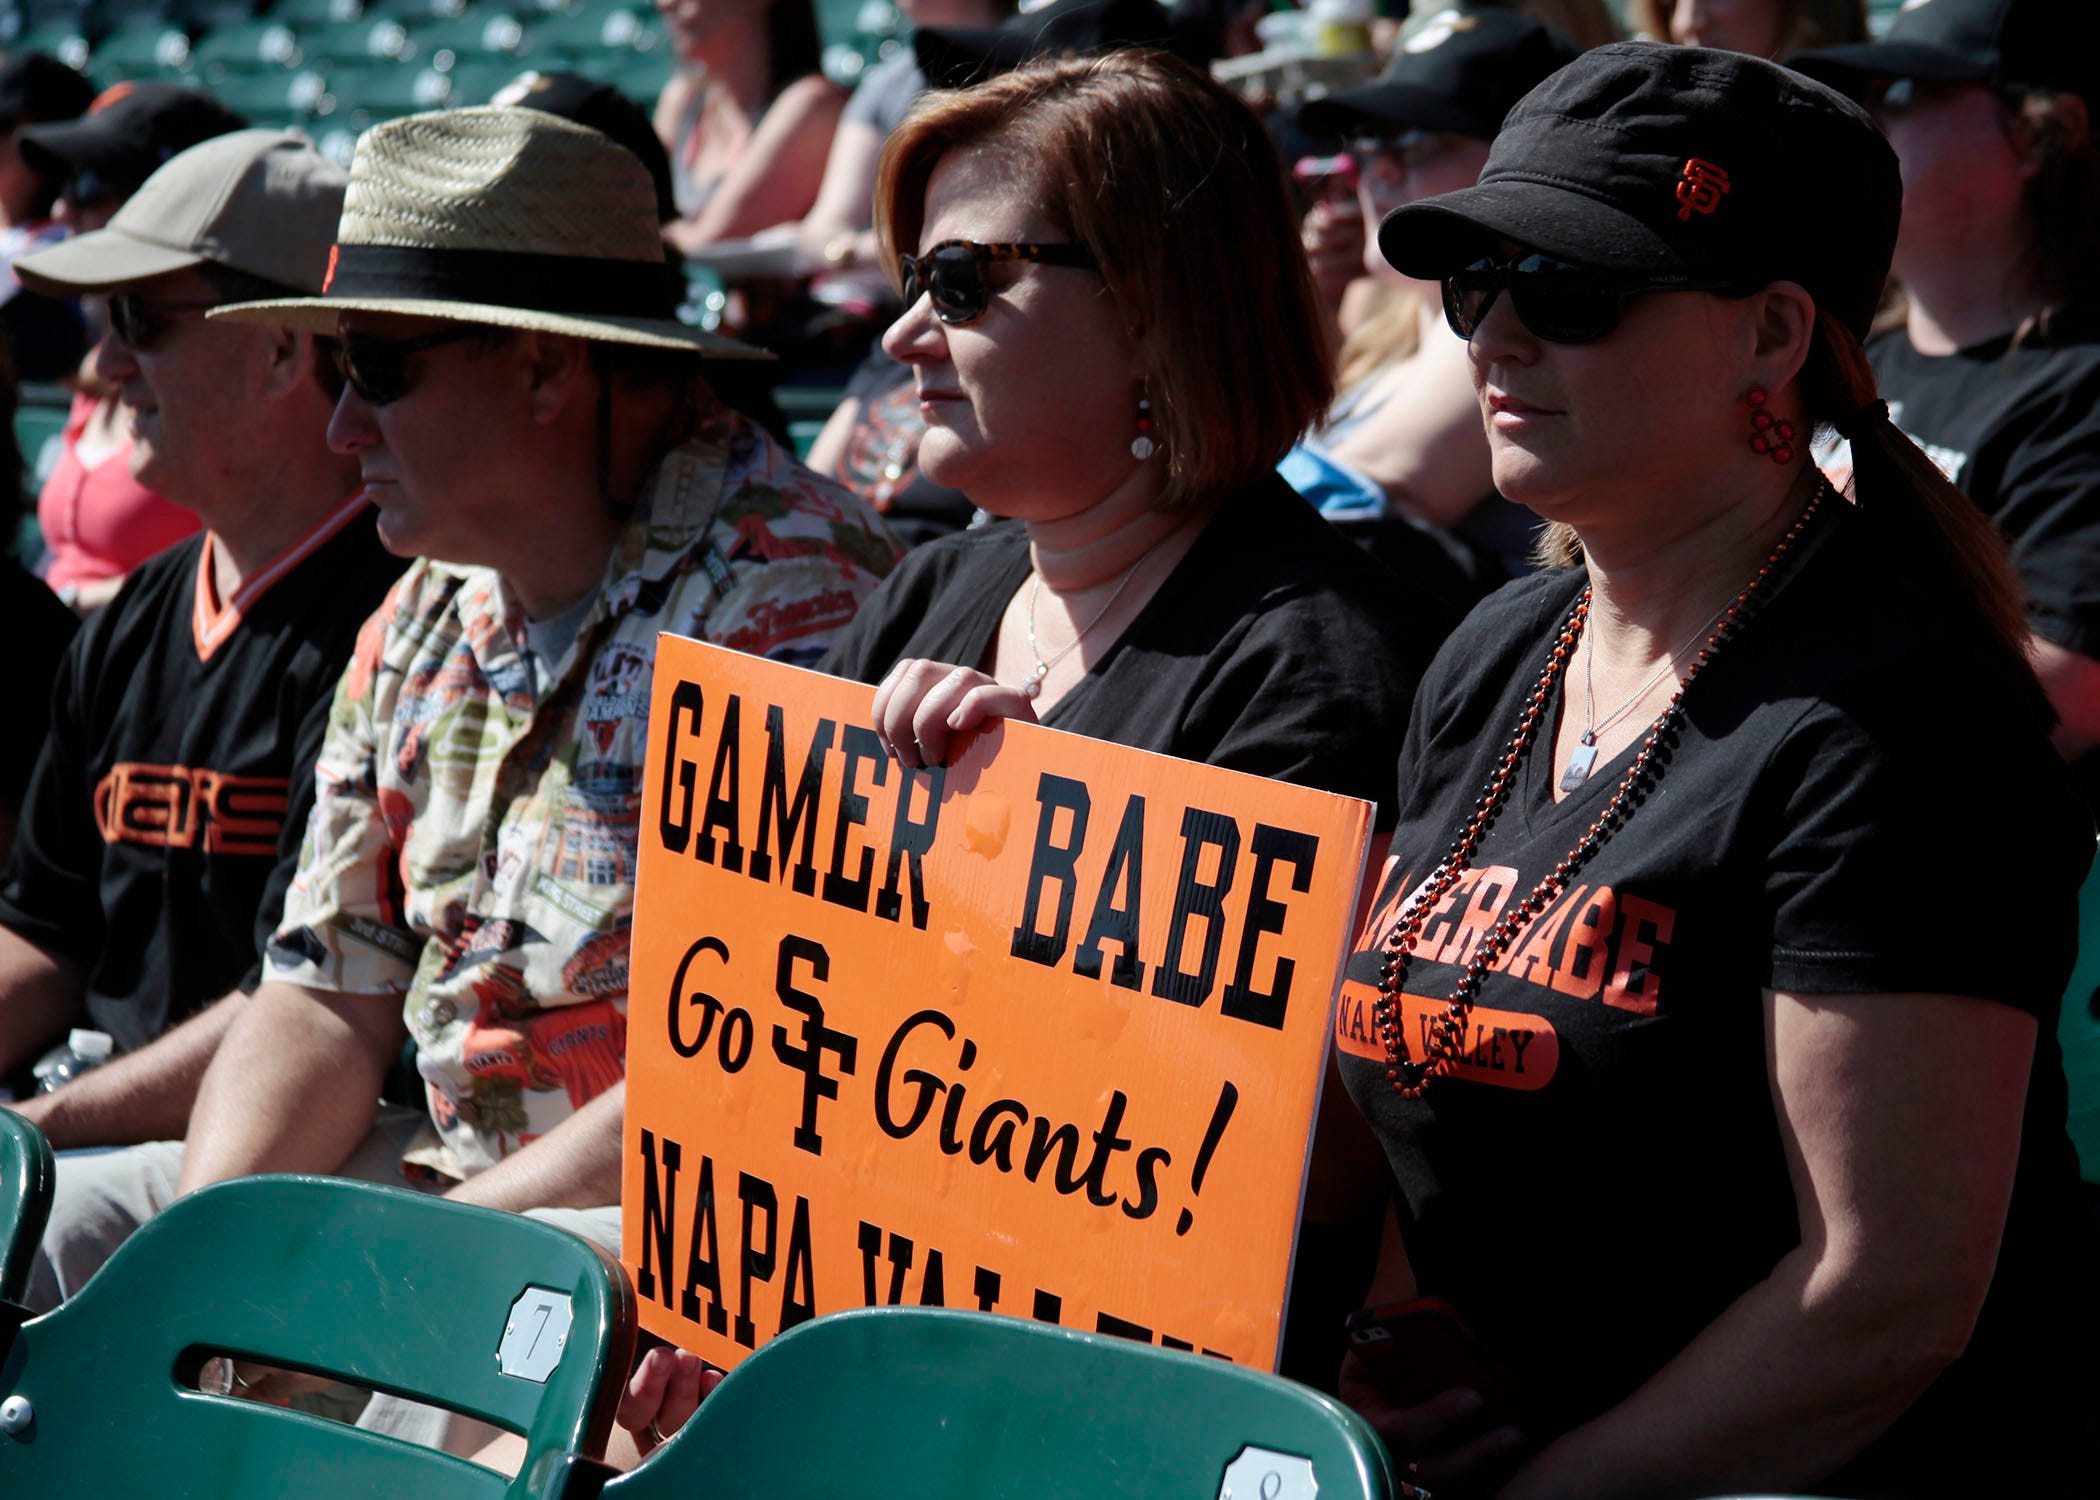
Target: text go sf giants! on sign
[[1040, 1033]]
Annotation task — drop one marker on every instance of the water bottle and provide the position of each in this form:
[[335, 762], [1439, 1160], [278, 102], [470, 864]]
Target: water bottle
[[84, 1049]]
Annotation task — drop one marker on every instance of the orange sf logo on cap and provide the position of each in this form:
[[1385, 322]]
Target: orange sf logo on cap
[[335, 253], [1700, 189]]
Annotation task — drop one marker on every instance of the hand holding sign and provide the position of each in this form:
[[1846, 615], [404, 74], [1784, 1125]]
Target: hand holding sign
[[921, 707], [1039, 1031]]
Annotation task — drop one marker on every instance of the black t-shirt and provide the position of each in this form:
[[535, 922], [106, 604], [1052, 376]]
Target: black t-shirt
[[164, 818], [1605, 1173], [36, 628], [1274, 647], [2017, 427]]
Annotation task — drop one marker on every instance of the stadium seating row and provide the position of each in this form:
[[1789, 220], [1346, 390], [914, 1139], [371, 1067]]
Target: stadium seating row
[[389, 1289], [307, 60]]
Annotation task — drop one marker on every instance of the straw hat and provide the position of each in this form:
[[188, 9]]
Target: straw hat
[[513, 218]]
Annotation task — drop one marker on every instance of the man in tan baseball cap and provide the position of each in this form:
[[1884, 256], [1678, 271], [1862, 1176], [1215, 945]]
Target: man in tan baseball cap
[[532, 422], [162, 825]]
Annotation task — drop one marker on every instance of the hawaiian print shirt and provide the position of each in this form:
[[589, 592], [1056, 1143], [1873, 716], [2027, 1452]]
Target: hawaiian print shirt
[[472, 844]]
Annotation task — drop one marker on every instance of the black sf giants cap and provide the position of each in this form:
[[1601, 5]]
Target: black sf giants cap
[[1677, 164]]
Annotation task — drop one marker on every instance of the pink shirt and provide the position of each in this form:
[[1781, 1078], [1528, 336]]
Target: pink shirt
[[100, 522]]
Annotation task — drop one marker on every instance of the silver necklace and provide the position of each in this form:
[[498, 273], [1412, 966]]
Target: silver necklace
[[1043, 664], [1583, 759]]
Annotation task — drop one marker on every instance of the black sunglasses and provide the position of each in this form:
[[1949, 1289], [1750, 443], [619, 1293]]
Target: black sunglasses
[[952, 273], [1558, 302], [144, 324], [377, 369]]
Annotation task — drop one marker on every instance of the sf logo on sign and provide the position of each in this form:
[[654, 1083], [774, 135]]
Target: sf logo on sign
[[1700, 189]]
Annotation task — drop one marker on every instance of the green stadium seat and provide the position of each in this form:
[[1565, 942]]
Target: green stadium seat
[[304, 16], [364, 96], [101, 17], [148, 50], [29, 542], [937, 1404], [198, 17], [644, 80], [68, 45], [52, 15], [249, 44], [596, 28], [476, 80], [26, 1183], [857, 34], [363, 42], [418, 12], [37, 433], [2078, 1030], [479, 33], [337, 142], [275, 95], [838, 20], [494, 1315]]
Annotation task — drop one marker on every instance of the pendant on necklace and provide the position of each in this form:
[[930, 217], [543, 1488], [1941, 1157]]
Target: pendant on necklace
[[1034, 685], [1579, 764]]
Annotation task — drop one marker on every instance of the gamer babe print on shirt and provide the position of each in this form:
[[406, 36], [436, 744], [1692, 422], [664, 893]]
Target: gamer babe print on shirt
[[1593, 945]]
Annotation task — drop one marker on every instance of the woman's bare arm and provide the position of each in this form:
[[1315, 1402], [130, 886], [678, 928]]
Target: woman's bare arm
[[1901, 1116]]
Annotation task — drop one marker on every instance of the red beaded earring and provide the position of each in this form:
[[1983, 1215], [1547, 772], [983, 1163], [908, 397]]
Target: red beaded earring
[[1142, 446], [1770, 436]]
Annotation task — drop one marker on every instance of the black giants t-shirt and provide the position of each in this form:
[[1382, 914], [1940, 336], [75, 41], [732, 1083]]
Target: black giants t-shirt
[[164, 818], [1274, 647], [2017, 427], [1604, 1174]]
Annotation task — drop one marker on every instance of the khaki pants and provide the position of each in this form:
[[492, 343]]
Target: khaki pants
[[102, 1196]]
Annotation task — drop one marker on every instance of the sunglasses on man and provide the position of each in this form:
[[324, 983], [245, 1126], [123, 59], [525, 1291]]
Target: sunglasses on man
[[1558, 302], [952, 273], [144, 324], [377, 369]]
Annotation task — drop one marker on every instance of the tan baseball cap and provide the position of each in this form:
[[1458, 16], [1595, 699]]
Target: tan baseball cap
[[260, 201]]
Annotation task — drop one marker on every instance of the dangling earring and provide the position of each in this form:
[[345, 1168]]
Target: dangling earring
[[1142, 447], [1772, 437]]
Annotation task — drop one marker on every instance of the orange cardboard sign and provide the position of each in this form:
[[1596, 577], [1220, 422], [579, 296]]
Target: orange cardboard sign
[[1041, 1032]]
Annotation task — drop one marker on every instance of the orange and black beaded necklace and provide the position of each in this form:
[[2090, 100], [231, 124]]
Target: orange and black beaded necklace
[[1410, 1078]]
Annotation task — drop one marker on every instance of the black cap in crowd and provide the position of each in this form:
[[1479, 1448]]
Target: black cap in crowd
[[2004, 43], [957, 56], [1677, 164], [1460, 72], [604, 109], [36, 87], [124, 137]]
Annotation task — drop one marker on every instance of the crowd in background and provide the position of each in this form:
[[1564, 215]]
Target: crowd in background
[[1663, 476]]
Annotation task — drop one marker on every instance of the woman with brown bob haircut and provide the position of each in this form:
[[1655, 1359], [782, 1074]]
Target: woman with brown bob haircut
[[1117, 151], [1111, 330]]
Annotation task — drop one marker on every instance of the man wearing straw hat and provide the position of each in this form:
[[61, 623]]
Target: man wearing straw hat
[[529, 420]]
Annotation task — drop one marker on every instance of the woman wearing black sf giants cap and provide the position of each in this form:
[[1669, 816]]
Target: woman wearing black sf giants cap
[[1706, 1016]]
